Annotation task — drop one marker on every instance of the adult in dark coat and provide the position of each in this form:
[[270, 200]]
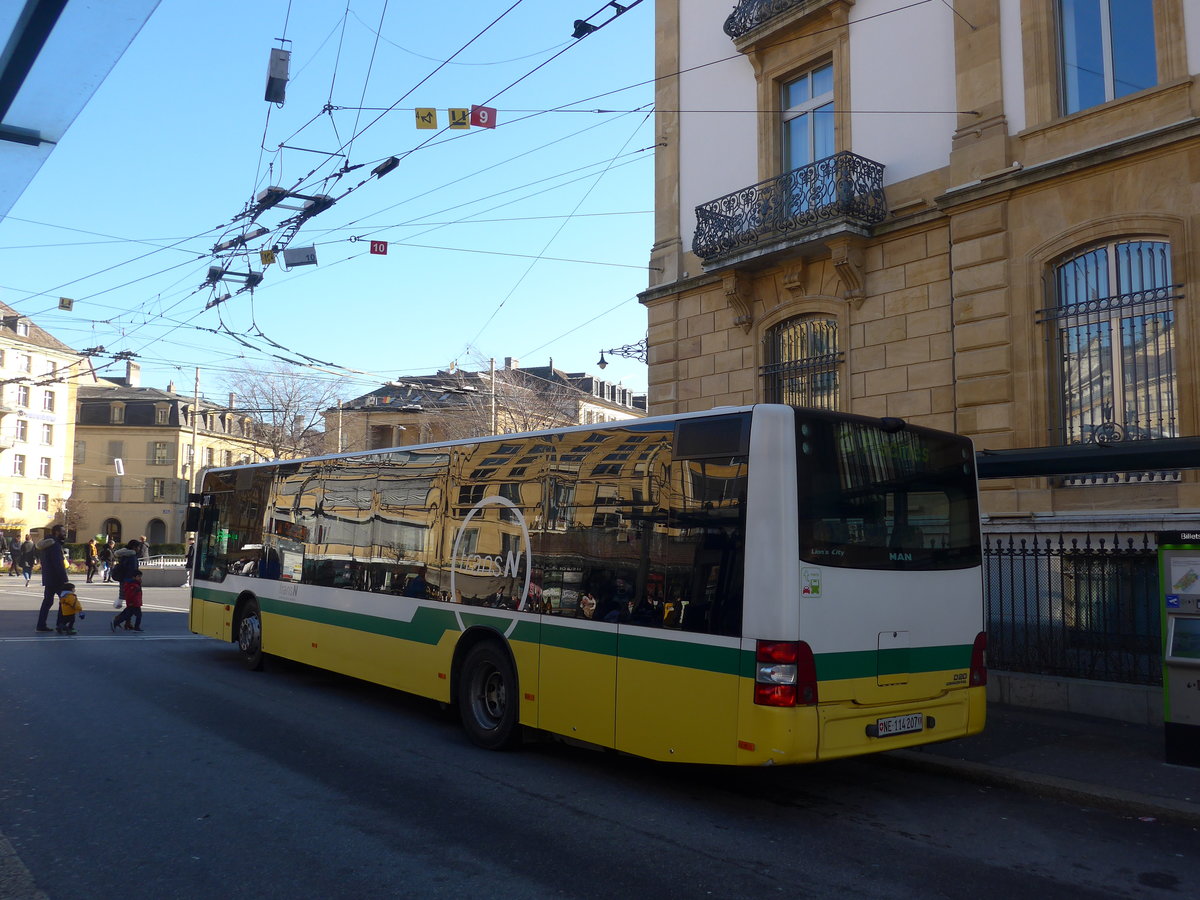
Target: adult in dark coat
[[54, 571]]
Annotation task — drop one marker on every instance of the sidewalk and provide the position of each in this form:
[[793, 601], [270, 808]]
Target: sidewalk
[[1091, 762]]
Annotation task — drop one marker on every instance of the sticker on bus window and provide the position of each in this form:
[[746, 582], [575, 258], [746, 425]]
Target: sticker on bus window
[[810, 582]]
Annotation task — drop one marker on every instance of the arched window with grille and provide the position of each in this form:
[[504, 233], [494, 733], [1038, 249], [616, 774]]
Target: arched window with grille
[[1111, 330], [802, 363]]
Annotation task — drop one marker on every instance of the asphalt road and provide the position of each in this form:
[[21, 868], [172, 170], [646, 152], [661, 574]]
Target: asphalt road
[[153, 765]]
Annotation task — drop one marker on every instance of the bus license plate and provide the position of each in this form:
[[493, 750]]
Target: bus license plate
[[900, 724]]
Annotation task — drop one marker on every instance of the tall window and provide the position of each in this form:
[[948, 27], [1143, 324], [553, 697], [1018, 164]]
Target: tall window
[[44, 467], [1113, 330], [160, 453], [47, 434], [18, 500], [807, 105], [48, 401], [22, 430], [43, 502], [18, 463], [1106, 50], [22, 395], [803, 363]]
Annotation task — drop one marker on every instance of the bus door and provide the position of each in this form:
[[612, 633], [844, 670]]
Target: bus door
[[678, 655], [574, 552]]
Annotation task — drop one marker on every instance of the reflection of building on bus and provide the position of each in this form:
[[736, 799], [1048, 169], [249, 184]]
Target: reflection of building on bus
[[637, 528]]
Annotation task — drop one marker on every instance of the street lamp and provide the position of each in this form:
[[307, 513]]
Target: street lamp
[[636, 351]]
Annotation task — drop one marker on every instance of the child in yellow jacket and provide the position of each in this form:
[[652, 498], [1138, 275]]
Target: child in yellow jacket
[[69, 606]]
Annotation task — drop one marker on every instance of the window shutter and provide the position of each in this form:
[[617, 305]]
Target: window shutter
[[116, 450], [149, 491]]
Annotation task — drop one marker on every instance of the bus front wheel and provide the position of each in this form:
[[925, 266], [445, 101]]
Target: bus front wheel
[[487, 697], [249, 636]]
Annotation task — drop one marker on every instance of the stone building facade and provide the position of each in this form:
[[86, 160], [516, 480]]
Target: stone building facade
[[460, 404], [979, 216], [161, 440], [38, 378]]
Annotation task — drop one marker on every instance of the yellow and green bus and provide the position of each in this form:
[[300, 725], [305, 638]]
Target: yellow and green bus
[[747, 586]]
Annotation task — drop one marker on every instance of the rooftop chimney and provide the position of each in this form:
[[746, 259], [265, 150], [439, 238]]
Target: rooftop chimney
[[511, 363], [170, 387], [133, 374], [232, 399]]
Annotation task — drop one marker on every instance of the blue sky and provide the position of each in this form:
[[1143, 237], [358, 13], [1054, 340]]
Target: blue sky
[[529, 240]]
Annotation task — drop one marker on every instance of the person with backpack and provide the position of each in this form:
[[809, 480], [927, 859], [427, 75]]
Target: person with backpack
[[125, 565], [124, 571]]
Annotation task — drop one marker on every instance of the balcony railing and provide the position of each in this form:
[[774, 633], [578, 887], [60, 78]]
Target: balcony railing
[[749, 14], [843, 186]]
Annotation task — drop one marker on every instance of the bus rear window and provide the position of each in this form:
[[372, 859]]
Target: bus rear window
[[885, 499]]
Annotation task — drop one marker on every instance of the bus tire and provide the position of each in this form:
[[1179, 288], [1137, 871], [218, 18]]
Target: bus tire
[[487, 697], [249, 636]]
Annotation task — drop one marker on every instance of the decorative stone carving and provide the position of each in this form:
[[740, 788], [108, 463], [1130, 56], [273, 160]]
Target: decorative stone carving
[[795, 278], [846, 256], [737, 286]]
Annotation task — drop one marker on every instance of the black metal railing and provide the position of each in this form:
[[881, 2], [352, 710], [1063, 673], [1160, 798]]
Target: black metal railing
[[749, 14], [844, 185], [1075, 610]]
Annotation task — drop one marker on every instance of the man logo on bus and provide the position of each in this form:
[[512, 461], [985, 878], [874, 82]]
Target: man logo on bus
[[507, 566]]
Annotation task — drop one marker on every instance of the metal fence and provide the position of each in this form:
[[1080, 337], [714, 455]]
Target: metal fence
[[1074, 608]]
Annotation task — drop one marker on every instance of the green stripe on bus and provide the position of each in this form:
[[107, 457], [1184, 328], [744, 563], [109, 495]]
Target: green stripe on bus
[[586, 639], [869, 663], [429, 624], [685, 654]]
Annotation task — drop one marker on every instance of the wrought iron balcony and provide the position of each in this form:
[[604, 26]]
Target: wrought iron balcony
[[749, 14], [842, 186]]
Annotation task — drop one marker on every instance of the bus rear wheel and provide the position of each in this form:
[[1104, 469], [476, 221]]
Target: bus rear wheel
[[249, 636], [487, 697]]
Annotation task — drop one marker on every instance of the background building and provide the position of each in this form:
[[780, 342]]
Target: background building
[[978, 216], [38, 375], [463, 404], [160, 438]]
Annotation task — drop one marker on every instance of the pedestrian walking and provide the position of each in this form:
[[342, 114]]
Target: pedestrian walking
[[28, 557], [191, 556], [106, 560], [14, 555], [131, 592], [68, 608], [54, 571], [143, 548], [92, 562]]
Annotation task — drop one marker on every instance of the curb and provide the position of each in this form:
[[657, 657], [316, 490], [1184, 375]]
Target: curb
[[1079, 792]]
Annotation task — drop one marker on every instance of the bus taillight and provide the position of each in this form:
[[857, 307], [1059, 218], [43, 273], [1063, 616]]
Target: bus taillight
[[979, 660], [785, 674]]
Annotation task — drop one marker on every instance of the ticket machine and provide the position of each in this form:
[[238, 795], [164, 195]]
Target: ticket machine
[[1179, 578]]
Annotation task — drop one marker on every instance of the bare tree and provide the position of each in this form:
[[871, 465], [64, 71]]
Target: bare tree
[[72, 513], [473, 405], [286, 405]]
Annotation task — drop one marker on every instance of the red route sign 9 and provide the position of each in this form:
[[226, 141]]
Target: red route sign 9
[[483, 117]]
